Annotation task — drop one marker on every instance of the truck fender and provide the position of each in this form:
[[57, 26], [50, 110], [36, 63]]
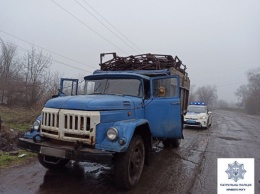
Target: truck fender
[[126, 130]]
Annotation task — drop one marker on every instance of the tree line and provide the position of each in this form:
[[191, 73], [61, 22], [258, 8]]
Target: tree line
[[207, 94], [249, 94], [25, 81]]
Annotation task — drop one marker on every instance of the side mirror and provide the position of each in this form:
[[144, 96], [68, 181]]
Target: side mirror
[[209, 112], [60, 93]]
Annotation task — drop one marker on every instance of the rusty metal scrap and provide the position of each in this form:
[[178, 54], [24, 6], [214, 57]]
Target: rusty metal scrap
[[141, 62]]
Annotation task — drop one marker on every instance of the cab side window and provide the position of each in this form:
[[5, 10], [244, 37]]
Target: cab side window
[[165, 88]]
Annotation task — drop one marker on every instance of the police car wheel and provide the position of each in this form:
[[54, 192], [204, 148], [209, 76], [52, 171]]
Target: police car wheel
[[128, 166]]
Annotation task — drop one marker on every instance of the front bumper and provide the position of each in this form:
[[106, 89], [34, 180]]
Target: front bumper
[[69, 152], [198, 123]]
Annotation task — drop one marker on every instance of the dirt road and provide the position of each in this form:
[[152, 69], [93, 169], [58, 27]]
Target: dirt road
[[190, 169]]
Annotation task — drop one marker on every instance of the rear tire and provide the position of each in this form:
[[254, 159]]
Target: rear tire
[[172, 142], [128, 166], [52, 163]]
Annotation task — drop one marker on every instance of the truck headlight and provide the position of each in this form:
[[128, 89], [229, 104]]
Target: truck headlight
[[112, 133], [202, 117], [36, 125]]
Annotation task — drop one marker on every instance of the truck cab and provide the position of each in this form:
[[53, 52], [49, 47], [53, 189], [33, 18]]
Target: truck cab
[[114, 121]]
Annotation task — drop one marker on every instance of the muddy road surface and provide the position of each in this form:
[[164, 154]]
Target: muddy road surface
[[192, 168]]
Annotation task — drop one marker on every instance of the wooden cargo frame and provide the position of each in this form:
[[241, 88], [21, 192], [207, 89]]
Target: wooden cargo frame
[[151, 62]]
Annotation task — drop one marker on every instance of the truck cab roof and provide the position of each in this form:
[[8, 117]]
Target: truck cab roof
[[117, 74], [148, 73]]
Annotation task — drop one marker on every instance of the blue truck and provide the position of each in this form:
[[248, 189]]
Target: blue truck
[[127, 104]]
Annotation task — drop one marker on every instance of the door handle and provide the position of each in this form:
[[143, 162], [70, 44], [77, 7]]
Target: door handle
[[175, 103]]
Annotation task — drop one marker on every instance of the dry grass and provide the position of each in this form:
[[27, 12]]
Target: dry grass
[[18, 118]]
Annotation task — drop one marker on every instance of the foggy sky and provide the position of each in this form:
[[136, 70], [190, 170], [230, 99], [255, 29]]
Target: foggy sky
[[218, 40]]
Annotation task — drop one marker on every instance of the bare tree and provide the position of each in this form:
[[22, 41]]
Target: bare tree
[[52, 88], [36, 75], [242, 93], [9, 72], [207, 94], [249, 95]]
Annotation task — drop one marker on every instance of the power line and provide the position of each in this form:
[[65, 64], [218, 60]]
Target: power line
[[26, 50], [88, 26], [43, 48], [70, 66], [113, 26], [106, 26]]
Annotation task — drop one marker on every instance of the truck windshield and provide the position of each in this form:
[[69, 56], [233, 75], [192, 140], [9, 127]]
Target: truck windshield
[[129, 87], [197, 109]]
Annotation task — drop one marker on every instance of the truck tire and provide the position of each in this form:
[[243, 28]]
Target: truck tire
[[52, 163], [128, 166], [172, 142]]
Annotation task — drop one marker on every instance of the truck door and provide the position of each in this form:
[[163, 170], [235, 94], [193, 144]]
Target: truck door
[[163, 110], [68, 87]]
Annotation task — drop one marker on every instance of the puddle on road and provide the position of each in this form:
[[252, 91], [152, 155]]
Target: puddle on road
[[94, 169], [97, 170]]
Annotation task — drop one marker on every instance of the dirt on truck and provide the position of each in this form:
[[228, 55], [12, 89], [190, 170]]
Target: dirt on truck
[[126, 104]]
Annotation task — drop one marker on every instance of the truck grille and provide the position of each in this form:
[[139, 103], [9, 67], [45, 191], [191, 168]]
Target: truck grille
[[70, 125]]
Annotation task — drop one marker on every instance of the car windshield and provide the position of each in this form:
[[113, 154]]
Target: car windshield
[[197, 109], [129, 87]]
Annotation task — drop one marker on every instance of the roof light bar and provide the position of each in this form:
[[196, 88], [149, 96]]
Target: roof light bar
[[198, 103]]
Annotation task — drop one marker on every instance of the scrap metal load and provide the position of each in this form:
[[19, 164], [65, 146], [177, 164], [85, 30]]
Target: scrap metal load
[[141, 62]]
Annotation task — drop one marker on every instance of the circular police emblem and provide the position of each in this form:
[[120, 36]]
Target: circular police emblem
[[235, 171]]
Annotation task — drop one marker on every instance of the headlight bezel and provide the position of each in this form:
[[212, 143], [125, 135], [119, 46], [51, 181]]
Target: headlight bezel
[[203, 117], [36, 125], [112, 133]]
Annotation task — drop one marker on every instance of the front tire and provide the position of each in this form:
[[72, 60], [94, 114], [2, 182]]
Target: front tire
[[128, 166], [52, 163]]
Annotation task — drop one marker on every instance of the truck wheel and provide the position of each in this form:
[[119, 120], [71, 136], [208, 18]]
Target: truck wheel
[[52, 163], [128, 166], [172, 142]]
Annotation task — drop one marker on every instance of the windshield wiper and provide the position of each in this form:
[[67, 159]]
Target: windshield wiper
[[116, 94], [96, 93]]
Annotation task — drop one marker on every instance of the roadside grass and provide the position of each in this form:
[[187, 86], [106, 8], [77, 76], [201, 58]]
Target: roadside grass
[[7, 160], [15, 121], [18, 118]]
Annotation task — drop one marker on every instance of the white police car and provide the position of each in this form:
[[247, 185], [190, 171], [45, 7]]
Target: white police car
[[198, 115]]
